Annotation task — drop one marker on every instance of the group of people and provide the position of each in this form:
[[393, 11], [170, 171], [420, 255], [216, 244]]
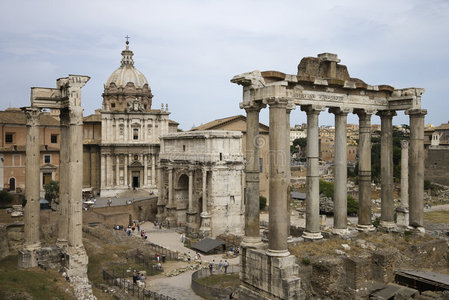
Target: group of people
[[220, 267], [139, 278]]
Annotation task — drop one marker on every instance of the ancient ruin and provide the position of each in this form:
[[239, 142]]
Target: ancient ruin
[[70, 251], [201, 182], [269, 271]]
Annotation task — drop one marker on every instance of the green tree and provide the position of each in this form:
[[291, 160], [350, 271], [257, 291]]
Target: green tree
[[51, 190], [327, 188], [5, 198], [301, 142], [352, 205], [262, 202]]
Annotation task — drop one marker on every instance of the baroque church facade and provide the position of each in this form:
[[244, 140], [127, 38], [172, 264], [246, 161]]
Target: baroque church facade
[[121, 141]]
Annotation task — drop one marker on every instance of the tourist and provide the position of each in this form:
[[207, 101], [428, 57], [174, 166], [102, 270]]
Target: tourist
[[109, 202], [138, 226], [159, 266], [225, 265], [220, 266], [133, 228], [158, 258], [211, 268], [146, 236], [134, 277], [142, 279]]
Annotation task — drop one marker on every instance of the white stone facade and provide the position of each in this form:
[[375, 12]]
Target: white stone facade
[[201, 186]]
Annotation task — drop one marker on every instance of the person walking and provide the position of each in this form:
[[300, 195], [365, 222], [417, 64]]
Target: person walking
[[225, 265]]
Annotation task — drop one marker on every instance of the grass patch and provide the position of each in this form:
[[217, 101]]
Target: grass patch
[[221, 280], [38, 283], [440, 216]]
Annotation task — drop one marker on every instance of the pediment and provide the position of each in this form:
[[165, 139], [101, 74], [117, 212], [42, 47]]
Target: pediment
[[48, 167], [135, 164]]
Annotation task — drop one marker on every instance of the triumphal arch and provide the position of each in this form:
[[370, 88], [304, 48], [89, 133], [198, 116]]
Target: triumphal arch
[[66, 98], [269, 271]]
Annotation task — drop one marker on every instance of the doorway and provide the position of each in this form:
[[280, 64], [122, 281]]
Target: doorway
[[135, 176], [12, 184]]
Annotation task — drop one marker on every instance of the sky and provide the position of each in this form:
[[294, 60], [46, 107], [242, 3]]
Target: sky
[[190, 49]]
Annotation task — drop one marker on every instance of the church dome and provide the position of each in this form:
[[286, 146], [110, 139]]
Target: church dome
[[127, 72]]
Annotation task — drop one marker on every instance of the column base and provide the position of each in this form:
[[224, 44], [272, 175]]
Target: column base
[[419, 229], [386, 225], [62, 244], [311, 235], [402, 214], [365, 228], [27, 258], [278, 253], [340, 231], [251, 242]]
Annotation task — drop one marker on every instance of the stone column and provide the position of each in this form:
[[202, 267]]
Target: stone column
[[153, 170], [288, 170], [64, 183], [252, 208], [340, 171], [125, 130], [145, 170], [279, 158], [364, 213], [416, 168], [117, 170], [27, 257], [205, 217], [312, 230], [103, 171], [386, 169], [161, 194], [171, 208], [402, 210], [191, 208], [75, 217], [108, 170], [125, 170]]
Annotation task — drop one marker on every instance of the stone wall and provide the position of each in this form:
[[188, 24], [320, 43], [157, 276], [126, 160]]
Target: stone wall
[[436, 165], [11, 239], [211, 292]]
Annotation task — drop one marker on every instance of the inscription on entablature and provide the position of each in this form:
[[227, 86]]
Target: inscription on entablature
[[315, 96]]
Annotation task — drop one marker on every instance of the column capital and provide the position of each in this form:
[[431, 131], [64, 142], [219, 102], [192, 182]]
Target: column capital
[[416, 112], [32, 116], [340, 110], [362, 112], [64, 117], [252, 106], [312, 109], [404, 144], [386, 113], [278, 102], [76, 115]]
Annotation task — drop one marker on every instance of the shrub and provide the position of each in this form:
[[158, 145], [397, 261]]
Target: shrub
[[327, 188], [428, 185], [305, 261], [353, 206], [5, 198], [262, 202]]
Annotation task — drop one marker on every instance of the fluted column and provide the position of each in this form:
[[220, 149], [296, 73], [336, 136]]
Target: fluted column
[[340, 171], [75, 203], [191, 209], [252, 208], [416, 168], [205, 216], [103, 171], [386, 168], [64, 183], [171, 208], [161, 195], [153, 170], [279, 159], [117, 170], [32, 183], [312, 230], [364, 213], [125, 170], [404, 173], [402, 210], [145, 170]]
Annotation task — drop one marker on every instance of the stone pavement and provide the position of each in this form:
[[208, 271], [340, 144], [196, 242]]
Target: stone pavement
[[177, 287]]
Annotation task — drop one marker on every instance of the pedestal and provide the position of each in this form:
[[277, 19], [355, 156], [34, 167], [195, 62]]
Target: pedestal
[[402, 218], [191, 226], [27, 258], [205, 230], [365, 228]]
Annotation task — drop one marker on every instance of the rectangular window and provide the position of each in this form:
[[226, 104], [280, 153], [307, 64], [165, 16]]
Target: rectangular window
[[46, 178], [54, 138], [8, 138], [47, 159], [135, 134]]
